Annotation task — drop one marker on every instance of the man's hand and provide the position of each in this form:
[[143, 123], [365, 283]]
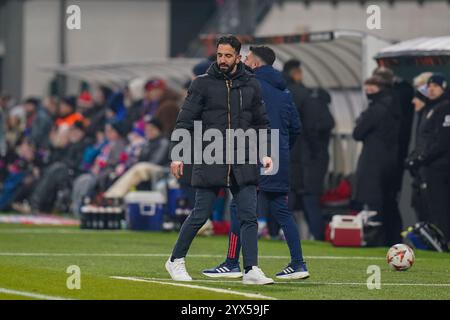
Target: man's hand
[[268, 164], [176, 168]]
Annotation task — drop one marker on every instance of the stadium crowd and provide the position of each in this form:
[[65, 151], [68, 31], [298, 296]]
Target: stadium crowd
[[54, 152]]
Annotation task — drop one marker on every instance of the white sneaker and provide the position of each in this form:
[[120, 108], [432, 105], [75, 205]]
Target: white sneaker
[[177, 270], [256, 276]]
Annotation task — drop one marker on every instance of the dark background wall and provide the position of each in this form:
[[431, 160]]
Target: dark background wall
[[186, 20]]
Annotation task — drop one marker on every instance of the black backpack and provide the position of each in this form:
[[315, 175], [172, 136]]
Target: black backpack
[[425, 236]]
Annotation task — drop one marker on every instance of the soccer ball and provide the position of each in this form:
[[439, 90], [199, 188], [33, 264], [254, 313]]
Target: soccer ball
[[400, 257]]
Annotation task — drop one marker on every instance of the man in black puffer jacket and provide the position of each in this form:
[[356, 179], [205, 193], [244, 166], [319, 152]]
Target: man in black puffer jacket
[[226, 97]]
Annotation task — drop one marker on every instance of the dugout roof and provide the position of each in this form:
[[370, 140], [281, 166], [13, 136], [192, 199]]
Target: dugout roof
[[176, 71]]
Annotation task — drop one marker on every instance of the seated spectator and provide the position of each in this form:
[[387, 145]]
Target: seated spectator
[[38, 123], [95, 117], [153, 156], [67, 113], [67, 116], [92, 151], [133, 150], [111, 154], [116, 110], [21, 171], [167, 113], [154, 89], [59, 175]]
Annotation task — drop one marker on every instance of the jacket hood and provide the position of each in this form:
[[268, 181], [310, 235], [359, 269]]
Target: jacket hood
[[272, 76], [385, 97]]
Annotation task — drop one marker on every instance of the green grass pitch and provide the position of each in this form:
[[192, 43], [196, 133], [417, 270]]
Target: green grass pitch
[[34, 262]]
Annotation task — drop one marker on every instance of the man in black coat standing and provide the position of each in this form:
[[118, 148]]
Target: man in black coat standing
[[310, 156], [378, 128], [226, 98]]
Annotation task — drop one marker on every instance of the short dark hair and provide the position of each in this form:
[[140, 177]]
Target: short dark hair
[[231, 40], [155, 122], [33, 101], [385, 73], [291, 65], [266, 54], [377, 80]]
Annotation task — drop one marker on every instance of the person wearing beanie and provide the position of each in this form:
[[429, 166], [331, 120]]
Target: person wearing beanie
[[154, 91], [378, 129], [201, 67], [85, 100], [438, 79], [156, 149], [431, 157]]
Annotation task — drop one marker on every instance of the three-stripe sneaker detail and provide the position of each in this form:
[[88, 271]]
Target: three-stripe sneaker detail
[[294, 272], [224, 270]]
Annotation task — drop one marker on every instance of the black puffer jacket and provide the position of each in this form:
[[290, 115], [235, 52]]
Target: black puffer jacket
[[436, 135], [378, 129], [224, 102]]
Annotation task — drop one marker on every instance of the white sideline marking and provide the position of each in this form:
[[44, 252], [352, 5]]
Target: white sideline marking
[[31, 295], [306, 282], [44, 254], [176, 284], [61, 231]]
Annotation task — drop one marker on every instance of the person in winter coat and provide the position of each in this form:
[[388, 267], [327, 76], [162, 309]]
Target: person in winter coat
[[433, 153], [273, 189], [58, 175], [227, 97], [111, 155], [421, 108], [310, 156], [39, 123], [403, 94], [378, 128], [153, 156]]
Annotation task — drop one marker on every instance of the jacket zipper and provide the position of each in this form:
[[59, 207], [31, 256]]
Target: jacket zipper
[[229, 84], [241, 106]]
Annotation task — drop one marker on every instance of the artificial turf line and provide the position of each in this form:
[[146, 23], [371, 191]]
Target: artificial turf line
[[79, 254], [227, 291], [31, 295], [312, 282]]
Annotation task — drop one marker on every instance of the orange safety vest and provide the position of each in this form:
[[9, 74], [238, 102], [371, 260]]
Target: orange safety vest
[[70, 119]]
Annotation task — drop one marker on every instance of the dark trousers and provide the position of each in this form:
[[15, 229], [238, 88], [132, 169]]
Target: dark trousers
[[418, 199], [277, 204], [245, 197], [52, 180], [313, 214], [438, 199]]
